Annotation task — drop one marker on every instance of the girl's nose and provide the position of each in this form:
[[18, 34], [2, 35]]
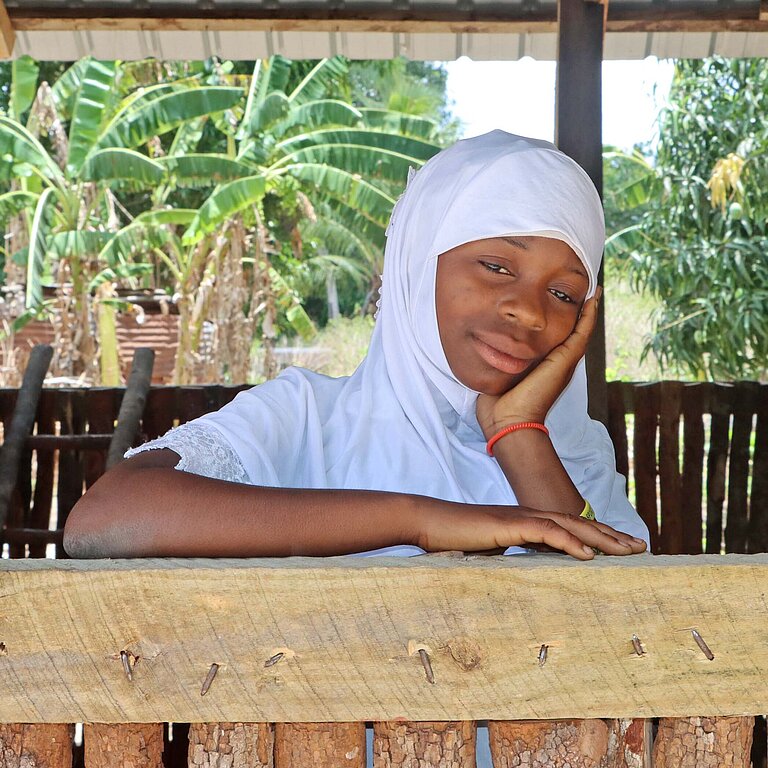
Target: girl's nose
[[526, 309]]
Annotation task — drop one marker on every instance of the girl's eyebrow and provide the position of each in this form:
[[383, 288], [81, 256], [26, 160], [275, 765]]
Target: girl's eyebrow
[[524, 246]]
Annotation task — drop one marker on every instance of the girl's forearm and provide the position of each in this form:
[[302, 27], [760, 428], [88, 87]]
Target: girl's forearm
[[146, 508], [535, 472]]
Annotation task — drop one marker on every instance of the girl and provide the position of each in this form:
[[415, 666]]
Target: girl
[[465, 428]]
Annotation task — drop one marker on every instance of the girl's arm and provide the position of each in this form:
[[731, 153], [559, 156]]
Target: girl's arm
[[144, 507], [527, 456]]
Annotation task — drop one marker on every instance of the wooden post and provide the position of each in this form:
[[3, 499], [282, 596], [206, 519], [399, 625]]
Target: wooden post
[[128, 745], [22, 422], [132, 407], [703, 742], [36, 746], [7, 34], [320, 745], [237, 745], [425, 745], [578, 133]]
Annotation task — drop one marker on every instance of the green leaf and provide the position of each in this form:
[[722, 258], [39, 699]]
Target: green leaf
[[204, 170], [151, 230], [223, 203], [12, 203], [89, 112], [347, 187], [37, 251], [18, 146], [64, 91], [132, 127], [320, 113], [403, 145], [397, 122], [274, 106], [80, 243], [24, 72], [122, 165], [324, 78]]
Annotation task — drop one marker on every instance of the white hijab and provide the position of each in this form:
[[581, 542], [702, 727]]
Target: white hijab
[[402, 421]]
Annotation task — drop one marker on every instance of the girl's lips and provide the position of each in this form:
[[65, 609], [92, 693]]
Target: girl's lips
[[501, 361]]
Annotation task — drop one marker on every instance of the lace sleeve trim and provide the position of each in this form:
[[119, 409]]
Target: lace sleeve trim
[[203, 451]]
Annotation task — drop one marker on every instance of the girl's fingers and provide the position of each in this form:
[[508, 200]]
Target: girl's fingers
[[545, 530]]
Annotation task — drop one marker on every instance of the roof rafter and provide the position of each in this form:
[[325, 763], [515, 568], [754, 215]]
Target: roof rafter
[[7, 34]]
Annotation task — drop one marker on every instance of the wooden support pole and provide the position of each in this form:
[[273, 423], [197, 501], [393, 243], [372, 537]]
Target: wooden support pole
[[7, 33], [424, 745], [579, 133], [320, 745], [236, 745], [132, 407], [36, 746], [22, 422], [703, 742], [128, 745]]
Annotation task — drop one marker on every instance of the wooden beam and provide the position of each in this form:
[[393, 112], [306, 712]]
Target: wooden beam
[[618, 21], [579, 133], [7, 34], [763, 10], [348, 630]]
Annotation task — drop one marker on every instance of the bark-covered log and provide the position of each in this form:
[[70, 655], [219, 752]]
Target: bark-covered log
[[234, 745], [129, 745], [320, 745], [36, 746], [703, 742], [424, 745]]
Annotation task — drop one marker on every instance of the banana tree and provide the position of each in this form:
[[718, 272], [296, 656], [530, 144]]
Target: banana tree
[[69, 194]]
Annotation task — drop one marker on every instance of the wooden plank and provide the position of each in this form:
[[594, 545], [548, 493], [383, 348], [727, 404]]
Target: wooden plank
[[192, 403], [99, 411], [425, 745], [644, 451], [40, 514], [71, 418], [324, 745], [717, 458], [617, 426], [137, 745], [159, 411], [693, 468], [737, 521], [698, 742], [758, 500], [347, 628], [578, 133], [36, 746], [237, 745], [671, 537], [7, 33], [634, 19]]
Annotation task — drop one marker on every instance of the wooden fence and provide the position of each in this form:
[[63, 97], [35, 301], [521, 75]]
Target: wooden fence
[[696, 456], [281, 662]]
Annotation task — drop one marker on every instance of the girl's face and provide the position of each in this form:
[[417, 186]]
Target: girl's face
[[503, 304]]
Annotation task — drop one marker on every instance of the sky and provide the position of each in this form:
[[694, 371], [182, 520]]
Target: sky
[[519, 97]]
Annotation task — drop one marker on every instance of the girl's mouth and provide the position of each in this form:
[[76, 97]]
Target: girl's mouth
[[501, 361]]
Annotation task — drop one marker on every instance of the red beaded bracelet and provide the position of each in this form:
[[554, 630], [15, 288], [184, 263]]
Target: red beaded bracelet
[[514, 428]]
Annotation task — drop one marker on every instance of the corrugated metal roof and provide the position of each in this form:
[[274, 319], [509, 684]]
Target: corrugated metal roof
[[731, 29]]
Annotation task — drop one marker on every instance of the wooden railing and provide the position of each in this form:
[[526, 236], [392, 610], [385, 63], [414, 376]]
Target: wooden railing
[[282, 662], [696, 457]]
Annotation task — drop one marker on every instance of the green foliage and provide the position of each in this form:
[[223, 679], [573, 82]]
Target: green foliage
[[699, 237]]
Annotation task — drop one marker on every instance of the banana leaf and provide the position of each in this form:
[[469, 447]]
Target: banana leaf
[[123, 165], [23, 86]]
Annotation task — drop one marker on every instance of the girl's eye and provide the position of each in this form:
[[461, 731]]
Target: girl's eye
[[496, 268], [560, 296]]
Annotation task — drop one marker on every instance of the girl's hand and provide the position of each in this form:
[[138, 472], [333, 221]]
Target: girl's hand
[[531, 398], [475, 528]]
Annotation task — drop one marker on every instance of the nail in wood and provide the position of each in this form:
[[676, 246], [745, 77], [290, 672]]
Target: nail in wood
[[427, 664], [126, 664], [209, 678], [272, 660], [543, 655], [704, 647], [637, 645]]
